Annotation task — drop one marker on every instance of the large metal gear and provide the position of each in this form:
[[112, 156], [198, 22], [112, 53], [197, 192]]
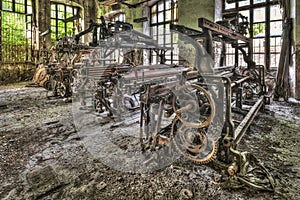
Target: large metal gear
[[193, 143], [193, 106]]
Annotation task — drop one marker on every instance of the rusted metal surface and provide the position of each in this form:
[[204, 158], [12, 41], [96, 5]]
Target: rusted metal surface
[[224, 31], [243, 126]]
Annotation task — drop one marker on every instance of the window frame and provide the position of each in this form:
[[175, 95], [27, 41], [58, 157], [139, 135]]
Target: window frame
[[26, 31], [159, 25], [58, 20], [267, 4]]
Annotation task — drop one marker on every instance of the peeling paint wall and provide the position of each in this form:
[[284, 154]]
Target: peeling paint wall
[[190, 10], [12, 73], [130, 13]]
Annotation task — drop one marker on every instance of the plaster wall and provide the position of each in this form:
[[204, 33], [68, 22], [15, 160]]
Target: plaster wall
[[190, 10]]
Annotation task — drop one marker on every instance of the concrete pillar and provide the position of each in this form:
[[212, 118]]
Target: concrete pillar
[[44, 20]]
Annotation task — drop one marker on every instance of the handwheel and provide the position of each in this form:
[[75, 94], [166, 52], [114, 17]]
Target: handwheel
[[193, 143], [193, 106]]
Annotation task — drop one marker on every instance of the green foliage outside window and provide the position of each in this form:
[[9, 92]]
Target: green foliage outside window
[[15, 30], [60, 28], [259, 29]]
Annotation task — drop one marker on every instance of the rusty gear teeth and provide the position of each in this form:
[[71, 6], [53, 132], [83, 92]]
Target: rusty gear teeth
[[204, 160]]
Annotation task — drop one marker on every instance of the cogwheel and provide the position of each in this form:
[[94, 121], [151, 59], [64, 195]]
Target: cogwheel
[[187, 103], [193, 143]]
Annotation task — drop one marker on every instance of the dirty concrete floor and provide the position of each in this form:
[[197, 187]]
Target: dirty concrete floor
[[43, 157]]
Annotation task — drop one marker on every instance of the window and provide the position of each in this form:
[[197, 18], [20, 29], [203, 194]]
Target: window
[[163, 13], [63, 20], [16, 31], [265, 29], [119, 17]]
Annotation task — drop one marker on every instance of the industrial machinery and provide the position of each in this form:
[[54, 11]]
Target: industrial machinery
[[190, 108], [56, 70]]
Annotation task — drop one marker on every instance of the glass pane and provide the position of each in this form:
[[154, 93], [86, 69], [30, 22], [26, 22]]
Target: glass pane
[[20, 8], [53, 22], [53, 37], [168, 4], [70, 29], [6, 5], [276, 28], [259, 59], [154, 19], [259, 15], [259, 30], [245, 13], [275, 13], [244, 3], [259, 45], [258, 1], [61, 24], [275, 44], [69, 15], [229, 5], [160, 6], [29, 10], [53, 14], [20, 1], [161, 29], [161, 39], [69, 9], [61, 8], [168, 39], [161, 17], [122, 17], [168, 15], [154, 31], [242, 61], [53, 11], [61, 15], [274, 60], [61, 32], [153, 9]]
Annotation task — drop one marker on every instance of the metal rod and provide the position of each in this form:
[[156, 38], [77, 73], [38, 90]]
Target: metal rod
[[241, 129], [235, 83]]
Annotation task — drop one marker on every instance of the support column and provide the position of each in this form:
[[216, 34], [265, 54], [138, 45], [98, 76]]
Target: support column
[[297, 55]]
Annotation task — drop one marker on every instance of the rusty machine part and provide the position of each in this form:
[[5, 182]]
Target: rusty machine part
[[193, 143], [188, 106], [41, 77], [57, 69]]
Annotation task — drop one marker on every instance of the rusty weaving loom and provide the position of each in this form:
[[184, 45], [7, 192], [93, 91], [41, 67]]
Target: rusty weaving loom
[[187, 108]]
